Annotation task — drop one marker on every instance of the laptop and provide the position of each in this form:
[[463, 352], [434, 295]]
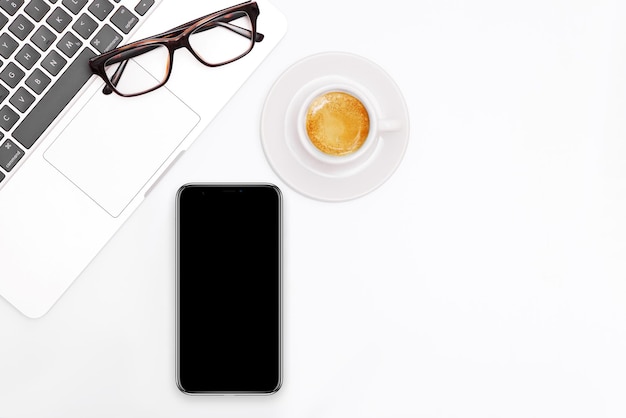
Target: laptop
[[75, 163]]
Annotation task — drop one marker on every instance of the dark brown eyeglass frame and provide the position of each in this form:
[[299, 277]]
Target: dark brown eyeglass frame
[[174, 39]]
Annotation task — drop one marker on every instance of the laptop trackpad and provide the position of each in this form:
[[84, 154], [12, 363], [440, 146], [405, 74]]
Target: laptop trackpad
[[114, 145]]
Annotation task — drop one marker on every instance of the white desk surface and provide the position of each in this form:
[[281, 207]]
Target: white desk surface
[[486, 278]]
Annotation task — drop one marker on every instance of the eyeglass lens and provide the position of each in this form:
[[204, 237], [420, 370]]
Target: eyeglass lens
[[216, 42]]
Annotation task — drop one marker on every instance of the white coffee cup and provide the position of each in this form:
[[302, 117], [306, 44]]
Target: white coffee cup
[[337, 93]]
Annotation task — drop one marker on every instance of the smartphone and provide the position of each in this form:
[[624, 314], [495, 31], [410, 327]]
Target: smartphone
[[228, 307]]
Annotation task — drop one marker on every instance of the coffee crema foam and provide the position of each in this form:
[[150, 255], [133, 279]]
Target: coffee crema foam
[[337, 123]]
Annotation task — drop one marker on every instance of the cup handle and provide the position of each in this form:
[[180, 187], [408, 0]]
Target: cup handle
[[389, 125]]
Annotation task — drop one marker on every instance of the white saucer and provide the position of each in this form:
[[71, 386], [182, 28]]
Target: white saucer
[[279, 131]]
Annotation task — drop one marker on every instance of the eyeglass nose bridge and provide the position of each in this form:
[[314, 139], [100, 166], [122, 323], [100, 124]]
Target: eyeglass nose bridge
[[180, 41], [173, 45]]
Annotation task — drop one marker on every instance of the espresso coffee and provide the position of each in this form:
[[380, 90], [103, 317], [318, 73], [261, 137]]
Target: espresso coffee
[[337, 123]]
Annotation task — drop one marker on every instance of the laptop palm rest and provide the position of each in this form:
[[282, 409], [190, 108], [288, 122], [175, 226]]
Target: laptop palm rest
[[114, 145]]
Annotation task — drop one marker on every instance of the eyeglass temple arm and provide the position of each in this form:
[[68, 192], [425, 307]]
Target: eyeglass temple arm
[[224, 19], [246, 33], [234, 28], [116, 77]]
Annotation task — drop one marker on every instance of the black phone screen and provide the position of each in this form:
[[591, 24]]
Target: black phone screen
[[228, 288]]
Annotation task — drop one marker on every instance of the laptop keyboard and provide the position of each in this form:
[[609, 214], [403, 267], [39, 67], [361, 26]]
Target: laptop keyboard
[[45, 46]]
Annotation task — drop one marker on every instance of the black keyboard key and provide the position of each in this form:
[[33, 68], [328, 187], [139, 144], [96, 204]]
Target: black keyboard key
[[124, 19], [1, 176], [27, 56], [143, 6], [37, 81], [100, 8], [69, 44], [3, 20], [8, 45], [43, 38], [53, 62], [55, 100], [11, 6], [85, 26], [22, 99], [106, 39], [8, 117], [37, 9], [59, 19], [21, 27], [4, 93], [10, 154], [74, 6], [11, 74]]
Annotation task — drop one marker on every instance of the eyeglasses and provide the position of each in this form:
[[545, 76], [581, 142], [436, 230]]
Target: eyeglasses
[[215, 39]]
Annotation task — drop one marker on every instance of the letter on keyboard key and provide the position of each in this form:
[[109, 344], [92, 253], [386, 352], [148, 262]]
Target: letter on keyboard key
[[55, 100], [74, 6], [53, 62], [37, 81], [22, 99], [43, 38], [8, 45], [27, 56], [59, 19], [69, 44], [11, 74], [21, 27], [7, 117]]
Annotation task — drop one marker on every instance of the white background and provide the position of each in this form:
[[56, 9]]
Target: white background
[[485, 278]]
